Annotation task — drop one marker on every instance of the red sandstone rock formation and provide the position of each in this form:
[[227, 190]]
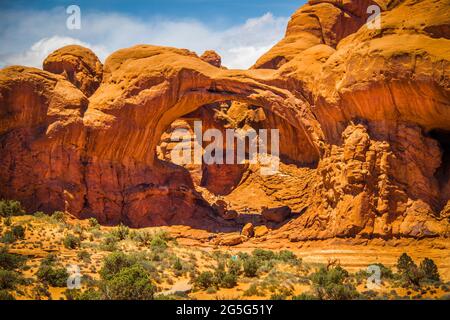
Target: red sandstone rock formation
[[212, 58], [364, 118], [77, 64]]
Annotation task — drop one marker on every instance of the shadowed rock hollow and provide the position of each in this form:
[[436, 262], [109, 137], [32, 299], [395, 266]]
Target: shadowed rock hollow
[[364, 117]]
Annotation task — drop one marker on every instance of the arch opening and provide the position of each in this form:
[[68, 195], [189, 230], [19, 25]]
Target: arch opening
[[241, 192]]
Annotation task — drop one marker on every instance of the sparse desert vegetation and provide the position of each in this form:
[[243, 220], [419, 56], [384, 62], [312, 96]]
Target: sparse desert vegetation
[[142, 264]]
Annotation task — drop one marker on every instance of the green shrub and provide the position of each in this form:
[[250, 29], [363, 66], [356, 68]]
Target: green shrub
[[286, 256], [8, 237], [234, 266], [252, 291], [429, 270], [130, 283], [121, 232], [163, 235], [264, 255], [114, 262], [71, 242], [386, 272], [93, 223], [41, 291], [8, 221], [9, 208], [229, 280], [305, 296], [39, 214], [8, 279], [408, 270], [204, 280], [5, 295], [250, 266], [404, 262], [89, 294], [330, 284], [52, 274], [9, 261], [143, 237], [84, 256], [243, 255], [109, 243], [50, 259], [211, 290], [178, 265], [278, 296], [158, 243], [58, 216]]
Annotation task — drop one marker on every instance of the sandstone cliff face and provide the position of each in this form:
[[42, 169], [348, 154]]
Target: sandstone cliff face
[[364, 117]]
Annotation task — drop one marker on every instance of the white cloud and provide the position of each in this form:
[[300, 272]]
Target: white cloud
[[240, 45], [41, 49]]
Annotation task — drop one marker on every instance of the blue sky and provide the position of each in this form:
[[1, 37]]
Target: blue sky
[[240, 30]]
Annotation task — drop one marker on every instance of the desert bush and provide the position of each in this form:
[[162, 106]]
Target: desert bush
[[113, 263], [286, 256], [386, 272], [84, 256], [54, 276], [51, 273], [41, 291], [7, 221], [404, 262], [58, 216], [211, 290], [39, 214], [220, 255], [330, 284], [51, 258], [89, 294], [281, 294], [5, 295], [109, 243], [158, 243], [264, 255], [204, 280], [143, 237], [243, 255], [228, 280], [429, 270], [9, 261], [130, 283], [8, 279], [250, 266], [8, 237], [93, 223], [121, 232], [305, 296], [71, 242], [9, 208], [410, 274], [178, 265], [234, 266], [253, 290]]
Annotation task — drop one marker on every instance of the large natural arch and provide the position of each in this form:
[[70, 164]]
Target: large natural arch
[[159, 96], [144, 91]]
